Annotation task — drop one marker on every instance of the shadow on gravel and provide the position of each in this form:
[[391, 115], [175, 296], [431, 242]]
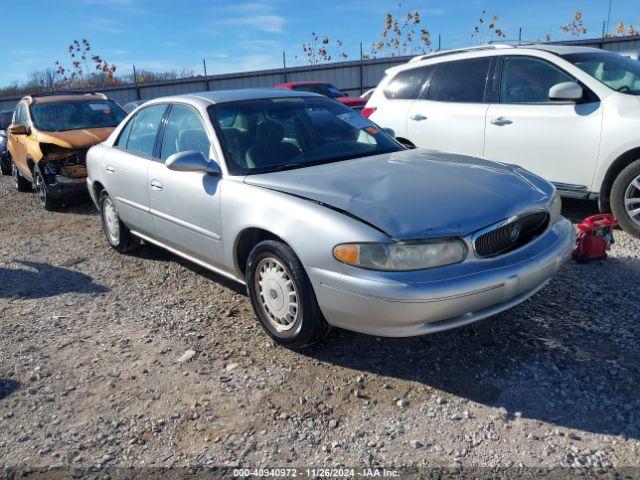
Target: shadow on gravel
[[81, 205], [149, 251], [577, 210], [570, 356], [7, 387], [40, 280]]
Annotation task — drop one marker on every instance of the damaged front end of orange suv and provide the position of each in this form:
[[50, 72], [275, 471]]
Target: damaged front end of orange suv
[[49, 139]]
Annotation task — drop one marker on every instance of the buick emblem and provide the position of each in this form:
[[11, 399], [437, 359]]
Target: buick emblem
[[514, 232]]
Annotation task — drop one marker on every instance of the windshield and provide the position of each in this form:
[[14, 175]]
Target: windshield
[[76, 115], [617, 72], [268, 135], [325, 89], [5, 119]]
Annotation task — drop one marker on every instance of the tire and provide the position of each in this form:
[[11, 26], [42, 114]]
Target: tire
[[5, 166], [273, 266], [118, 234], [21, 183], [49, 203], [626, 187]]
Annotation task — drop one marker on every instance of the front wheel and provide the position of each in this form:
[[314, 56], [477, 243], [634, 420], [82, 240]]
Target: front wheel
[[46, 199], [117, 233], [625, 198], [5, 166], [282, 296]]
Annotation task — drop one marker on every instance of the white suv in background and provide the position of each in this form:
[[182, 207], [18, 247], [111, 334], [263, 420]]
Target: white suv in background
[[568, 114]]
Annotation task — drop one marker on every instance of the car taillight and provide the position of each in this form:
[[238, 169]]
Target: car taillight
[[367, 111]]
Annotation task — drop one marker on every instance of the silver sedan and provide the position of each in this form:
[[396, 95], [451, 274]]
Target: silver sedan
[[324, 216]]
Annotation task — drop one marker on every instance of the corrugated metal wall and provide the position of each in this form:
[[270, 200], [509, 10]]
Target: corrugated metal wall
[[352, 77]]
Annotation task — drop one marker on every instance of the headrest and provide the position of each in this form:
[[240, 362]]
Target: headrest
[[270, 132]]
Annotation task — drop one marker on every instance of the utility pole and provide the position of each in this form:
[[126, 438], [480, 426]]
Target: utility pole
[[206, 77], [520, 36], [608, 19], [439, 42], [284, 66], [50, 82], [135, 81], [361, 71]]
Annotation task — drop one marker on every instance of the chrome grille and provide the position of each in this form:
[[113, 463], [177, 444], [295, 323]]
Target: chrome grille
[[509, 236]]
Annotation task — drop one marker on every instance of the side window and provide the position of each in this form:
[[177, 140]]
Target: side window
[[124, 135], [406, 85], [19, 115], [184, 131], [462, 81], [144, 129], [528, 80]]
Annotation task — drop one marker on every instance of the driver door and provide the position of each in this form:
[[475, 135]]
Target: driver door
[[557, 141], [185, 206]]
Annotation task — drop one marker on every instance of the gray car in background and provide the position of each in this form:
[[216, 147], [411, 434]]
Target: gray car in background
[[324, 217], [5, 158]]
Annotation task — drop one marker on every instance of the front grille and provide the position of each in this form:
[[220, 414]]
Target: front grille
[[512, 235]]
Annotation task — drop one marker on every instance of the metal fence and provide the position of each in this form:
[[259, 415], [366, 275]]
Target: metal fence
[[353, 77]]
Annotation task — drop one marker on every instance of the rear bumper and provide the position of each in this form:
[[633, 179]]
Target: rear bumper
[[397, 309]]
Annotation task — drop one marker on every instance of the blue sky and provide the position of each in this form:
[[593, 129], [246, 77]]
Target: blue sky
[[251, 34]]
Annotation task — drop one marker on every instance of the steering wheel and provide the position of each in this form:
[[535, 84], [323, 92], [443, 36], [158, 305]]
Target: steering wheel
[[624, 89]]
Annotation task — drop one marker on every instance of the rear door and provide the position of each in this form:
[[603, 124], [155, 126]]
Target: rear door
[[558, 141], [185, 206], [450, 115], [396, 98], [126, 168]]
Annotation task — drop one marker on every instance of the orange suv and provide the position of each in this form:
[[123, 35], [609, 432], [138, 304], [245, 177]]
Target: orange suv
[[48, 141]]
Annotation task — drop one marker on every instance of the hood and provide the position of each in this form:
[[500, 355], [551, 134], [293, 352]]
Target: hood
[[352, 101], [416, 194], [76, 138]]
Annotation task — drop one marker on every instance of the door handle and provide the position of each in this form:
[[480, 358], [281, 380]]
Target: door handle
[[500, 121], [418, 117], [110, 169], [156, 185]]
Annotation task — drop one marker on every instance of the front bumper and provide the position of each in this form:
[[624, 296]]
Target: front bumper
[[400, 309], [60, 186]]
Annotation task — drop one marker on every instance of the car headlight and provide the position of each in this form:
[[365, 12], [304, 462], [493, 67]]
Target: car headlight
[[555, 210], [402, 256]]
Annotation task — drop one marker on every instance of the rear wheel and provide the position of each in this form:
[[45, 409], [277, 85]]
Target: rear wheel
[[117, 233], [282, 296], [46, 199], [625, 198], [21, 183]]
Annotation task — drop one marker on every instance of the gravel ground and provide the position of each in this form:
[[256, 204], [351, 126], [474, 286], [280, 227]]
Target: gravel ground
[[90, 370]]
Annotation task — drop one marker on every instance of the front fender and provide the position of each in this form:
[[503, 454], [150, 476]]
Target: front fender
[[310, 229]]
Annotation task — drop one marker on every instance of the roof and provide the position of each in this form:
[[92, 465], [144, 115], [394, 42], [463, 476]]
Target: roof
[[294, 84], [459, 53], [564, 49], [44, 98], [222, 96]]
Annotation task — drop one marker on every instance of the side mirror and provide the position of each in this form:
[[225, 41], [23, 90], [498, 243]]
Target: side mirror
[[191, 161], [390, 132], [17, 129], [566, 92]]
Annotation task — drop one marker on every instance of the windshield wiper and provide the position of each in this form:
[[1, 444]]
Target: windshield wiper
[[291, 166]]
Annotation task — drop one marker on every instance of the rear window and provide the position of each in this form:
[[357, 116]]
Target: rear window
[[5, 119], [462, 81], [76, 115], [406, 85]]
